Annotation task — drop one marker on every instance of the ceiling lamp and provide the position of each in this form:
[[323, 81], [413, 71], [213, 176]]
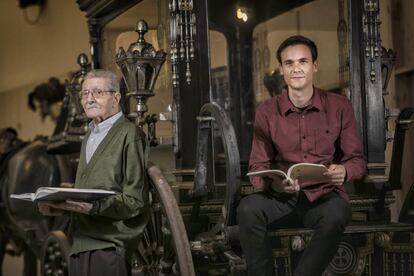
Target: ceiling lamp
[[241, 14]]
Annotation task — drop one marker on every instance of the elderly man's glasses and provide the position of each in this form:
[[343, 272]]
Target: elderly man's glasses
[[83, 94]]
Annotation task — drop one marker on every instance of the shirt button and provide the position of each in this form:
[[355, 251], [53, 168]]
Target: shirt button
[[304, 156], [83, 175], [304, 137], [303, 116]]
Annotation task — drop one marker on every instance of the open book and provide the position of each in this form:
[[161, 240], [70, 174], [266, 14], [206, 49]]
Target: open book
[[62, 194], [304, 172]]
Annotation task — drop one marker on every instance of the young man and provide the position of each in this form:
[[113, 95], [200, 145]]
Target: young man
[[303, 124], [106, 232]]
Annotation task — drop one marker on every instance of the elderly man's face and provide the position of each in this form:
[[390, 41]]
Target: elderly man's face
[[99, 106]]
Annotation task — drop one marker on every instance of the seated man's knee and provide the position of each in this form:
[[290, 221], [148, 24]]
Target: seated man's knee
[[248, 211], [337, 220]]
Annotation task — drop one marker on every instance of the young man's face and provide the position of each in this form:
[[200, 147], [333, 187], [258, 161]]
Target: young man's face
[[99, 107], [297, 67]]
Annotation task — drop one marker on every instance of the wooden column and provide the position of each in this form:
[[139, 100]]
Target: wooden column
[[189, 98], [366, 83]]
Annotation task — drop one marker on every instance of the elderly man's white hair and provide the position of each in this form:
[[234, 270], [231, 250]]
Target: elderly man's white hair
[[104, 74]]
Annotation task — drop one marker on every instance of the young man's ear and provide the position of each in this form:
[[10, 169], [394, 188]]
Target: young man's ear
[[315, 66]]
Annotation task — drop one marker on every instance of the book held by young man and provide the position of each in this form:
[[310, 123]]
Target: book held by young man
[[62, 194], [304, 172]]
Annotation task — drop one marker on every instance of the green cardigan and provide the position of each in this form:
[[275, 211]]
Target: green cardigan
[[118, 164]]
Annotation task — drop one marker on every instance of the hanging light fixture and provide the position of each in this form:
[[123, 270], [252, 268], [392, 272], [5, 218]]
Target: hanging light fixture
[[36, 5], [241, 14]]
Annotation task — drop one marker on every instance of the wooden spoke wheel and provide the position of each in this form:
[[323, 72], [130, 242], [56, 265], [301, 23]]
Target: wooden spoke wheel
[[55, 255], [165, 249], [215, 126]]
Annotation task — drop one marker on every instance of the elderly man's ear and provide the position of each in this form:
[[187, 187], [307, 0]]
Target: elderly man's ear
[[118, 97]]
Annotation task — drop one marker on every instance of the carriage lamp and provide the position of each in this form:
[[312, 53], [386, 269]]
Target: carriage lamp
[[140, 66]]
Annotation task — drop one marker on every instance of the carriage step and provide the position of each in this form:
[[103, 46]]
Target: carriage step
[[232, 232], [184, 185], [237, 265], [184, 172], [350, 229]]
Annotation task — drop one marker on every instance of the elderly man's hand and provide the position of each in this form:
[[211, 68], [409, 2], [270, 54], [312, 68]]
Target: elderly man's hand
[[72, 206], [47, 209], [336, 174]]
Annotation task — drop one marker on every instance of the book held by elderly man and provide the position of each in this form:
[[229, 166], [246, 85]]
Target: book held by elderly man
[[304, 172], [62, 194]]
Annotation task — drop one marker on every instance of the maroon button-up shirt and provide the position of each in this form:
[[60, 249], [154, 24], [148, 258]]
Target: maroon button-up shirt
[[325, 132]]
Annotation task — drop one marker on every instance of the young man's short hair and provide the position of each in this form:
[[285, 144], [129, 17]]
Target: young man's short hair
[[297, 40]]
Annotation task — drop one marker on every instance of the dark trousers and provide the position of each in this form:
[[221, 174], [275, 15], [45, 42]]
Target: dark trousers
[[105, 262], [260, 212]]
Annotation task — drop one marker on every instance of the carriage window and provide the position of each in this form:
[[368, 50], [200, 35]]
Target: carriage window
[[219, 70], [120, 33], [323, 21]]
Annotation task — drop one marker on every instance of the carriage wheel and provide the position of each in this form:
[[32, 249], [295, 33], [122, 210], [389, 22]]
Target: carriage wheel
[[213, 117], [55, 254], [164, 249]]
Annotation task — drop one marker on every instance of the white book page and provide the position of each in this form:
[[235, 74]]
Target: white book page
[[268, 173]]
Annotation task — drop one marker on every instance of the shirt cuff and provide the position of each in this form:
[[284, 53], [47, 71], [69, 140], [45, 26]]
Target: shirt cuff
[[95, 208]]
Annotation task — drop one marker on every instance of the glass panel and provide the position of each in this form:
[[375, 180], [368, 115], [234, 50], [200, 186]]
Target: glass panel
[[318, 20], [120, 33], [152, 11], [219, 70]]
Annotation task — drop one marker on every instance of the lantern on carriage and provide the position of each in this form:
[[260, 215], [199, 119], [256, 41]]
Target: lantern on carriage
[[140, 66]]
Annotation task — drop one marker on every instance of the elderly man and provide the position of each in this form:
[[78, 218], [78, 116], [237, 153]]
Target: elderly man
[[106, 232], [302, 124]]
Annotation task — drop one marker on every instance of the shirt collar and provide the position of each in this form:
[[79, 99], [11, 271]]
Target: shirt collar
[[105, 125], [287, 106]]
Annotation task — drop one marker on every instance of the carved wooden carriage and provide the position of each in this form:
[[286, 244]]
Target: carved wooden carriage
[[213, 91]]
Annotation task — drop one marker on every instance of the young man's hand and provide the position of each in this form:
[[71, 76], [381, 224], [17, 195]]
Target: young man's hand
[[336, 174], [68, 205], [284, 185]]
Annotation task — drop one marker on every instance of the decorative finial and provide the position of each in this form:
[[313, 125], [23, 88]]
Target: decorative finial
[[141, 28], [83, 62]]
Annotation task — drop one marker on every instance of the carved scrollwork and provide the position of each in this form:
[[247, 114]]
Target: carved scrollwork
[[387, 64], [182, 35], [372, 37], [382, 239]]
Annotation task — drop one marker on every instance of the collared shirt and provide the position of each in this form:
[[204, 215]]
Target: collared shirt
[[98, 133], [325, 132]]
